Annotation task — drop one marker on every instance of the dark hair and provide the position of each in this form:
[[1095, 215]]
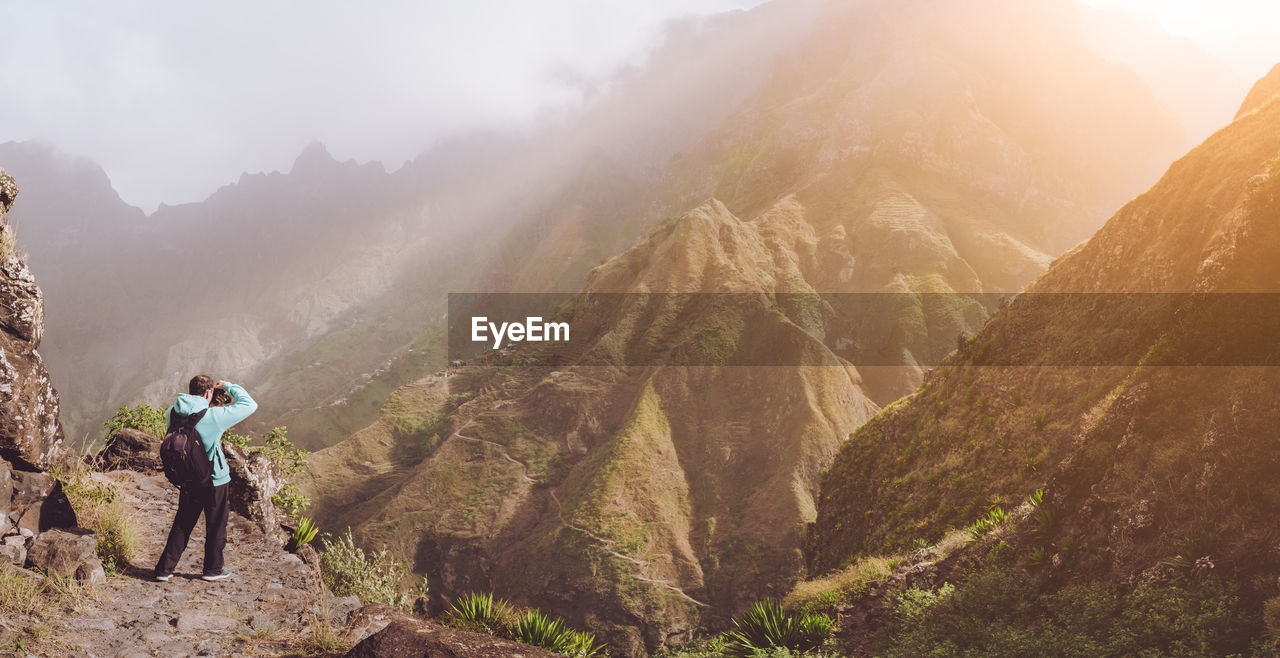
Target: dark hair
[[200, 384]]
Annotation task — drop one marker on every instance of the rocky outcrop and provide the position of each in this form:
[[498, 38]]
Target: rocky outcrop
[[130, 450], [254, 480], [30, 432], [38, 525], [61, 553], [35, 502], [6, 496], [40, 504], [414, 638]]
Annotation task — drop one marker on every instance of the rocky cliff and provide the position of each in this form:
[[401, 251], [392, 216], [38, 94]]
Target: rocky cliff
[[30, 431]]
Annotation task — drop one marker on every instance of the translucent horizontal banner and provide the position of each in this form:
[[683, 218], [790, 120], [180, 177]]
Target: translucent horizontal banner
[[864, 329]]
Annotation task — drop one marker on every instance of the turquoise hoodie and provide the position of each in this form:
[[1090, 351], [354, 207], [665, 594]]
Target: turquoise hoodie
[[214, 423]]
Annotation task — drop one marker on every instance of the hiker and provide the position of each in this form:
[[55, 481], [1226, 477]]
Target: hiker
[[204, 492]]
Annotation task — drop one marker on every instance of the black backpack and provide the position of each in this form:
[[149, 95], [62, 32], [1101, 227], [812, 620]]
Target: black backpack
[[182, 453]]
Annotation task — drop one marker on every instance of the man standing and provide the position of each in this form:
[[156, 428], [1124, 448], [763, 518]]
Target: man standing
[[210, 500]]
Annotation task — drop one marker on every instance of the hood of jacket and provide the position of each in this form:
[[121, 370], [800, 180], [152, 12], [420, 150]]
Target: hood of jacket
[[190, 404]]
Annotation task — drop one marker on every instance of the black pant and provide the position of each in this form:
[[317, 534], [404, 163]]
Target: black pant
[[212, 502]]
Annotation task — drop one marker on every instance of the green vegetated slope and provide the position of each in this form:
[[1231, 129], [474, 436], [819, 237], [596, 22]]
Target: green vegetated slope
[[632, 499], [645, 503], [1157, 478]]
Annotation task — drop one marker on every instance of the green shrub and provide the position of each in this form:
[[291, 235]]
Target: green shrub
[[143, 418], [1271, 616], [290, 459], [766, 626], [303, 534], [291, 502], [1003, 612], [374, 577], [913, 603], [713, 647], [238, 440], [483, 613]]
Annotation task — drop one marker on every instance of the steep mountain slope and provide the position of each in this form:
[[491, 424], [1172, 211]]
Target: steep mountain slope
[[1153, 472], [655, 499], [645, 495]]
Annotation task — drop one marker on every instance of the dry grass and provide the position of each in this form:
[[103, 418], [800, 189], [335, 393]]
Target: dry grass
[[100, 508], [21, 593], [950, 543], [822, 593], [40, 604]]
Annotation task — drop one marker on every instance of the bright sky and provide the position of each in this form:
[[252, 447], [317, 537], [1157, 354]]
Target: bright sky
[[175, 99], [1243, 33]]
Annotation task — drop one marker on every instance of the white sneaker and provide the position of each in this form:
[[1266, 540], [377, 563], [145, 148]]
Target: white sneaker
[[220, 576]]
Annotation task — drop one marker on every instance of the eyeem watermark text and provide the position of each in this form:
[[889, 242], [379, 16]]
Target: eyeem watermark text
[[532, 330]]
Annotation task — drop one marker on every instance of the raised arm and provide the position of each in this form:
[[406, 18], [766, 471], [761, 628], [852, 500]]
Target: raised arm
[[241, 407]]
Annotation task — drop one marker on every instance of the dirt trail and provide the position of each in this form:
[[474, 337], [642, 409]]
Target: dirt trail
[[266, 601]]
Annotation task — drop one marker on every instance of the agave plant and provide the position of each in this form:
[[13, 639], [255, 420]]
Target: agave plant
[[582, 645], [541, 630], [481, 611], [995, 518], [766, 625], [303, 534]]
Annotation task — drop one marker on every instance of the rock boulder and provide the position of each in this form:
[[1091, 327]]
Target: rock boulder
[[90, 572], [40, 504], [132, 450], [60, 553], [415, 638], [254, 480]]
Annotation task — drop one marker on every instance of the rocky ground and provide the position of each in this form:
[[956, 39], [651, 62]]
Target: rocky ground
[[271, 603]]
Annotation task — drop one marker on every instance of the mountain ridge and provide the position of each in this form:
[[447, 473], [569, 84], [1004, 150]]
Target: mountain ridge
[[1148, 474]]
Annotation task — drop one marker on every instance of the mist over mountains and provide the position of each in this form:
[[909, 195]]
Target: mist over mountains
[[298, 266], [918, 148]]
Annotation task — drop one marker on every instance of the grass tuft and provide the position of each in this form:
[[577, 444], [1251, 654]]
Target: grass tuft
[[100, 508]]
